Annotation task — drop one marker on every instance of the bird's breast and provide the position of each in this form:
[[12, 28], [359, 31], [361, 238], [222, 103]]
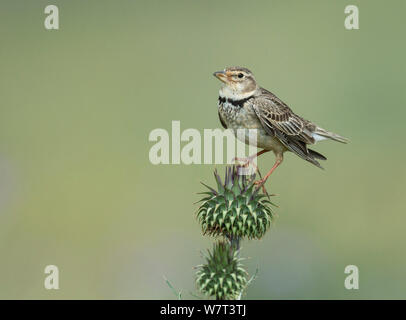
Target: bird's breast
[[238, 116], [244, 117]]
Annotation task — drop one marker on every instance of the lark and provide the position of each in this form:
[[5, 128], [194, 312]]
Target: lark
[[243, 104]]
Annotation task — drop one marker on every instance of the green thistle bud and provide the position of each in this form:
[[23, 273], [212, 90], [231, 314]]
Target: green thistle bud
[[238, 208], [223, 275]]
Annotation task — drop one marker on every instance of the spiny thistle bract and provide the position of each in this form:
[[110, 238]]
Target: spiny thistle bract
[[223, 275], [237, 208]]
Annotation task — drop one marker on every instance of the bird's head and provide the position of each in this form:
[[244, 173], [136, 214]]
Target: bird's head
[[239, 82]]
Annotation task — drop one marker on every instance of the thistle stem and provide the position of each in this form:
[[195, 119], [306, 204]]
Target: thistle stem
[[235, 242]]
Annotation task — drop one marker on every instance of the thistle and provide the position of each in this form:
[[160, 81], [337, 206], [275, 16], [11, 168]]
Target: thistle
[[237, 209], [223, 275]]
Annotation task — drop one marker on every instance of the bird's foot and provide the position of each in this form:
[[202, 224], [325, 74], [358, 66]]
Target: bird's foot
[[261, 184], [246, 163]]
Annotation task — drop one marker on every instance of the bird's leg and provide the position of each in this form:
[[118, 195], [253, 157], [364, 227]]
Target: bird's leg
[[250, 159], [261, 182]]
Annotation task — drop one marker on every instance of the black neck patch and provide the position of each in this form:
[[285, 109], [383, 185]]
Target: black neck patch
[[236, 103]]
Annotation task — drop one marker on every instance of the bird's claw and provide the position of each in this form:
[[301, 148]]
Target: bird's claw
[[261, 184], [245, 163]]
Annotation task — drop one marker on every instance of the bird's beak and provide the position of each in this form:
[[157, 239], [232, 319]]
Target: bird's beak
[[221, 75]]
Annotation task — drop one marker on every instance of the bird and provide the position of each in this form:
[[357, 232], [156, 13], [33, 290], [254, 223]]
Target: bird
[[243, 104]]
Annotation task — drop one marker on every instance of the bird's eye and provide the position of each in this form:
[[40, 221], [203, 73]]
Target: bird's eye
[[240, 75]]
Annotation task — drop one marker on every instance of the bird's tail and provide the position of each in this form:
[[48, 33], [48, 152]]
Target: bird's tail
[[316, 155], [321, 134]]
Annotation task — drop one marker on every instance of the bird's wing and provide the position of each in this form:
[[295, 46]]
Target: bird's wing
[[274, 114], [279, 120]]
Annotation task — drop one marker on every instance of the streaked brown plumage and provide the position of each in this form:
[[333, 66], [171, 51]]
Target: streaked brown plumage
[[245, 105]]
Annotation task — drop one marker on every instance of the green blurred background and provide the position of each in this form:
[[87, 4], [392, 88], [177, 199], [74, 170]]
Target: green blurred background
[[77, 105]]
